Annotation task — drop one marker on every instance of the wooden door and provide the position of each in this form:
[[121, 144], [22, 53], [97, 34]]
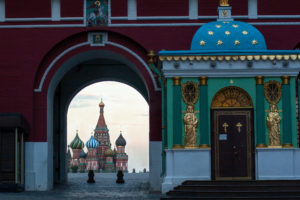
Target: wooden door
[[232, 144]]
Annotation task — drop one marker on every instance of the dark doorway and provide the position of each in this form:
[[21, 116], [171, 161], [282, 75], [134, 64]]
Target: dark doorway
[[232, 144]]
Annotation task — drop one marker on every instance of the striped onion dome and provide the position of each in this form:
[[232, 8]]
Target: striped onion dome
[[92, 143], [121, 141], [82, 154], [109, 153], [77, 143]]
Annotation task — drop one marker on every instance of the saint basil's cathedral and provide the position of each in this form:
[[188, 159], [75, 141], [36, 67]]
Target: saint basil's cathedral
[[99, 157]]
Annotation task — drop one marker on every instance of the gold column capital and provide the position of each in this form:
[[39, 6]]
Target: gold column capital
[[285, 80], [259, 80], [151, 55], [204, 146], [203, 80], [176, 80]]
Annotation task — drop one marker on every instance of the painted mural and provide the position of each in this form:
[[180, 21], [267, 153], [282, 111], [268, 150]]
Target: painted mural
[[97, 12]]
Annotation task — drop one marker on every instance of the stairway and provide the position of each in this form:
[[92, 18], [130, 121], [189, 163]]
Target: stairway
[[284, 189]]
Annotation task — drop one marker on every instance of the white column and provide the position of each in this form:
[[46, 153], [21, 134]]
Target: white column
[[2, 10], [55, 10], [193, 9], [131, 9], [252, 9]]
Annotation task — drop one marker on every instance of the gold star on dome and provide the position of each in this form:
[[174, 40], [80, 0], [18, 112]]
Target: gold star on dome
[[237, 42], [202, 42], [210, 33], [218, 26], [245, 32], [220, 42], [235, 26], [226, 22], [254, 42], [227, 32]]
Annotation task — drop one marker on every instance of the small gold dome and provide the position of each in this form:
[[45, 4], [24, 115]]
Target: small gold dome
[[101, 104], [109, 153]]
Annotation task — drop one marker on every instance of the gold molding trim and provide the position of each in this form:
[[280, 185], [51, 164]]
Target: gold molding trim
[[232, 57], [261, 146], [176, 80], [191, 147], [274, 147], [269, 90], [287, 146], [285, 80], [231, 97], [259, 80], [203, 80], [178, 146], [204, 146], [186, 95]]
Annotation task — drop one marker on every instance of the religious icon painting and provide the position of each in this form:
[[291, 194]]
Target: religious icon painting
[[97, 12]]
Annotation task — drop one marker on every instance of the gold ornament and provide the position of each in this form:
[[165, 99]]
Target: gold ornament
[[189, 92], [272, 91], [230, 97], [237, 42], [224, 3], [190, 127], [273, 124]]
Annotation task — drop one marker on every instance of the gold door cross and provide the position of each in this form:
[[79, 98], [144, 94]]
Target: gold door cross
[[239, 125], [225, 125]]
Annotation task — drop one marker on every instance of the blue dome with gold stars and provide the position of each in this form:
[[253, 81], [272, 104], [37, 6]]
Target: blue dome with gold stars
[[228, 35]]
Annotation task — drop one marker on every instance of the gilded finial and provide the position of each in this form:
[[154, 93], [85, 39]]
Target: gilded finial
[[224, 3], [151, 55], [101, 104]]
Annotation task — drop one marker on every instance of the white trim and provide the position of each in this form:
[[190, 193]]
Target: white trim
[[278, 16], [2, 10], [42, 19], [39, 89], [252, 9], [55, 10], [193, 9], [131, 10]]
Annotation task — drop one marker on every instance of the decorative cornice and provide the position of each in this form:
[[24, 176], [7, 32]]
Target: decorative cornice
[[229, 58]]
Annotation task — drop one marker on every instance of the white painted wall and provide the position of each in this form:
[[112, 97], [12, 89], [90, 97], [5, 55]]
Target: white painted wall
[[155, 161], [252, 9], [186, 164], [2, 10], [131, 9], [193, 9], [55, 10], [37, 167], [277, 164]]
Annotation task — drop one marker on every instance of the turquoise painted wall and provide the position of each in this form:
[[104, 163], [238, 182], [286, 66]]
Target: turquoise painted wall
[[248, 84]]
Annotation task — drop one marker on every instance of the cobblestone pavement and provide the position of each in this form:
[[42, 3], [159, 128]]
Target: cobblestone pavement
[[136, 187]]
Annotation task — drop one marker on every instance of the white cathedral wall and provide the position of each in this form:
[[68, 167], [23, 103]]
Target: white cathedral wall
[[186, 164], [277, 164]]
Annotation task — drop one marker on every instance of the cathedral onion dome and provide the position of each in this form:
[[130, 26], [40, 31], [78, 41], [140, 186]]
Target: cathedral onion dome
[[109, 153], [77, 143], [82, 154], [101, 104], [92, 143], [228, 35], [120, 141]]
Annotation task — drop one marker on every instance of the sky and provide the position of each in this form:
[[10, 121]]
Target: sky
[[125, 110]]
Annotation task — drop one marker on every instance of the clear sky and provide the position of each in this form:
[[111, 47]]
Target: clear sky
[[125, 110]]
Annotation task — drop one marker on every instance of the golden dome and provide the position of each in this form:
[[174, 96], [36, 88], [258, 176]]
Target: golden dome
[[101, 104], [109, 153]]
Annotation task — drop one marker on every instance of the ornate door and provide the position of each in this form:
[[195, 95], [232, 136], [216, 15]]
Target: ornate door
[[232, 144], [232, 135]]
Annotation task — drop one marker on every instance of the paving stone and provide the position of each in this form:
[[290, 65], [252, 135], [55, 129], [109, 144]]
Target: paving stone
[[136, 187]]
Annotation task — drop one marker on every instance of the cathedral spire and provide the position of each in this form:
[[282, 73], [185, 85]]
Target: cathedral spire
[[101, 125]]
